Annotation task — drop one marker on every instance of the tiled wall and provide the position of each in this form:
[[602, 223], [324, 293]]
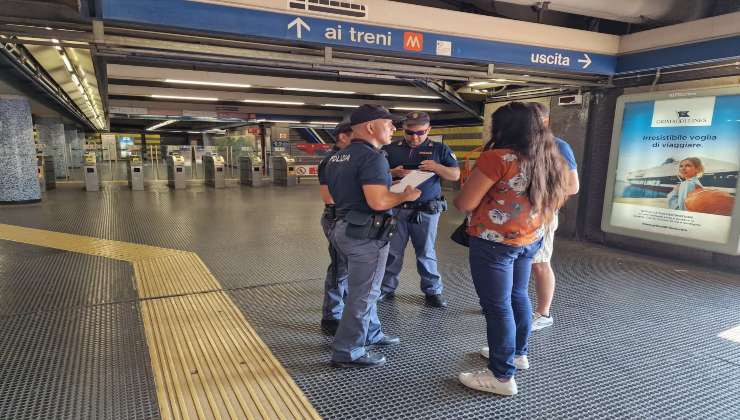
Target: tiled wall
[[51, 133], [18, 180]]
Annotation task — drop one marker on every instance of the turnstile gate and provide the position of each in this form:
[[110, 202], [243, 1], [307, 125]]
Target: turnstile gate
[[215, 175], [250, 170]]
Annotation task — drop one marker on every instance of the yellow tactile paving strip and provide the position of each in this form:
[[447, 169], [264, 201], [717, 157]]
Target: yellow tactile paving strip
[[180, 273], [208, 362]]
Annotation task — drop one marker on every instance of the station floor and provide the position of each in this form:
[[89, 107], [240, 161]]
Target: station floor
[[203, 303]]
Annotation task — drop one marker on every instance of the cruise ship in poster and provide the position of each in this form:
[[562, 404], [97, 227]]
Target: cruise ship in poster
[[658, 181]]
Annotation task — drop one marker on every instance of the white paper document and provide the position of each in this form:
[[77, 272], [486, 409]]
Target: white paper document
[[414, 178]]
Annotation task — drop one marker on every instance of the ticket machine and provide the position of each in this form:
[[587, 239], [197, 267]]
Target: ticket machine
[[90, 169]]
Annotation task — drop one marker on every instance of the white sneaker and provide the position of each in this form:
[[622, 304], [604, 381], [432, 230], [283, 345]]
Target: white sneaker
[[485, 381], [521, 362], [540, 321]]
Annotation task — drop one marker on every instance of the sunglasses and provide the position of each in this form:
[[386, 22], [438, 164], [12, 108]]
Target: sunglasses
[[415, 133]]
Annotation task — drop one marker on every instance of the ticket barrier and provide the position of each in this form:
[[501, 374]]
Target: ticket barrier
[[40, 173], [250, 170], [49, 174], [135, 173], [283, 171], [215, 174], [90, 169], [176, 171]]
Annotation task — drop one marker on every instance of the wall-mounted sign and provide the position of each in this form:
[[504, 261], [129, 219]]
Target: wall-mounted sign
[[237, 18], [673, 169], [312, 148], [307, 170], [280, 146]]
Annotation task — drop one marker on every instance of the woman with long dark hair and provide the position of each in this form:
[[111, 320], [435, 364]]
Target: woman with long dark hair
[[517, 185]]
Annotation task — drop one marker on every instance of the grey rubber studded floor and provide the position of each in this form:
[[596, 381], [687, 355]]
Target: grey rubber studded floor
[[634, 337]]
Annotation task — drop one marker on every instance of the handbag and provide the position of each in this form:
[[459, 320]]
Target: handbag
[[460, 235]]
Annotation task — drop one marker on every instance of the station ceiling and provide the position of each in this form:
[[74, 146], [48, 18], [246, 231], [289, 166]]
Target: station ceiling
[[180, 82]]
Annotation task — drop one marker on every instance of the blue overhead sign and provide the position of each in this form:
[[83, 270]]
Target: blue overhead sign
[[195, 15], [698, 52]]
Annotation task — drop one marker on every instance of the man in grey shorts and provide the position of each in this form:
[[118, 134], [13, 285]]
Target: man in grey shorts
[[544, 277]]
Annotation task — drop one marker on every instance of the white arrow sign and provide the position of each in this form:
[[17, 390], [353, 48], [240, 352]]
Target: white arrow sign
[[586, 62], [299, 25]]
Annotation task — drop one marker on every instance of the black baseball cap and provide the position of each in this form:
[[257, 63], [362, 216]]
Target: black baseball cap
[[342, 127], [369, 112], [417, 118]]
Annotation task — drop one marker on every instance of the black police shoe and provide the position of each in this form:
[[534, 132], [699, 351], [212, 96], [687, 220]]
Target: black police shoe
[[330, 326], [385, 296], [370, 359], [388, 340], [436, 301]]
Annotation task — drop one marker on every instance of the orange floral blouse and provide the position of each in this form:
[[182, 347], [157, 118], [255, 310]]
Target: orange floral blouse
[[505, 214]]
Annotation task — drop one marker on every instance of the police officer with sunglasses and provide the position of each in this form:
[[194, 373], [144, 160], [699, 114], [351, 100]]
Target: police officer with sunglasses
[[418, 219], [358, 179]]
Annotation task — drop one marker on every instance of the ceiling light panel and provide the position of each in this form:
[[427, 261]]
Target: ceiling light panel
[[186, 98], [259, 101], [399, 95], [340, 92], [199, 83], [341, 105], [162, 124], [408, 108]]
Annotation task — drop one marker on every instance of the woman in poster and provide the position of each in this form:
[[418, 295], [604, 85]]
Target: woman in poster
[[689, 172], [690, 194]]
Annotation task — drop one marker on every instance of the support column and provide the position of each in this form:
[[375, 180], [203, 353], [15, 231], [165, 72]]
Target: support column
[[51, 133], [70, 140], [78, 149], [19, 183]]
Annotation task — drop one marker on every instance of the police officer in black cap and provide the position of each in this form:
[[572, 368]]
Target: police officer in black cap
[[418, 219], [335, 285], [359, 178]]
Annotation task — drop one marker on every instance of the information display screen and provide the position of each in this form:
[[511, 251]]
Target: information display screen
[[673, 169]]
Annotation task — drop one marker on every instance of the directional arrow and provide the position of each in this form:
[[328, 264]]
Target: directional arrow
[[299, 24], [586, 62]]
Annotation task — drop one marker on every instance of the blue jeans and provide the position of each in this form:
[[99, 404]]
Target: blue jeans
[[501, 277]]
